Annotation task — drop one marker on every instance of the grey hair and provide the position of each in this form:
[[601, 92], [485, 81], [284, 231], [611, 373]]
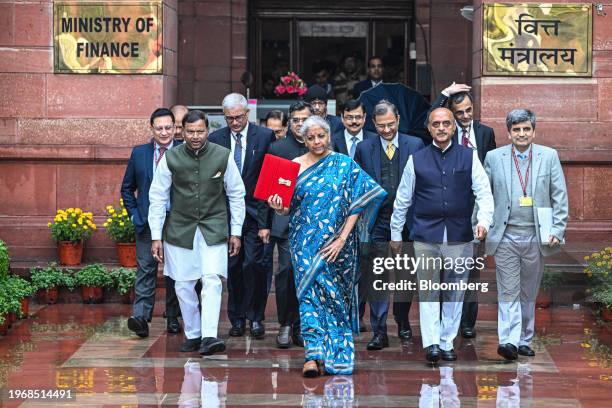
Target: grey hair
[[382, 107], [234, 100], [520, 115], [313, 121]]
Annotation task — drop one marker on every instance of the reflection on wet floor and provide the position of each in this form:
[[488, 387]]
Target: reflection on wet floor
[[88, 349]]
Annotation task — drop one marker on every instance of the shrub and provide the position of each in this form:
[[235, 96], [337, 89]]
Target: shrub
[[9, 302], [72, 225], [603, 294], [4, 260], [20, 287], [599, 267], [124, 279], [94, 275], [47, 278]]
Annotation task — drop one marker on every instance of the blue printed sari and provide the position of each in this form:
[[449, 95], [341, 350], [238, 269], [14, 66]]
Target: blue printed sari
[[326, 194]]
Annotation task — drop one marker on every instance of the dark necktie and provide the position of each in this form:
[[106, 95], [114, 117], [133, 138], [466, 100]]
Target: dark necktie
[[465, 138], [162, 150], [238, 151]]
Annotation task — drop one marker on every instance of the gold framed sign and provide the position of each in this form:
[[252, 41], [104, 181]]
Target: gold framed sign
[[107, 37], [537, 39]]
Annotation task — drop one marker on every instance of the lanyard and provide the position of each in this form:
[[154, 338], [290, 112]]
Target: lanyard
[[518, 170]]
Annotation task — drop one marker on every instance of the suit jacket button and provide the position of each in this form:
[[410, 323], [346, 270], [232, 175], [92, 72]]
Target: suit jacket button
[[508, 207], [504, 222]]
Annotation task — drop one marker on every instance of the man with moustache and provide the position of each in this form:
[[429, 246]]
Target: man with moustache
[[179, 112], [199, 179], [526, 179], [317, 98], [247, 283], [143, 163], [345, 141], [440, 181], [376, 70], [384, 159], [288, 148], [276, 120]]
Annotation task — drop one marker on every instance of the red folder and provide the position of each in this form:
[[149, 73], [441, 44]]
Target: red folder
[[277, 176]]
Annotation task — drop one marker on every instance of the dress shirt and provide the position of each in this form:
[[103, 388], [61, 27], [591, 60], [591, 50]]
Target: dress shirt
[[524, 155], [385, 143], [348, 138], [374, 83], [471, 135], [405, 191], [159, 197], [156, 153], [243, 142]]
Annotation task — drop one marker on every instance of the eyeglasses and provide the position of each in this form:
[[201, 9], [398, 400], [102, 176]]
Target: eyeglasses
[[351, 117], [298, 120], [384, 126], [236, 118], [193, 132], [437, 124], [167, 128]]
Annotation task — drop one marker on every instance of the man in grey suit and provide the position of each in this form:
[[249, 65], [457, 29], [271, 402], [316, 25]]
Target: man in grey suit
[[527, 181]]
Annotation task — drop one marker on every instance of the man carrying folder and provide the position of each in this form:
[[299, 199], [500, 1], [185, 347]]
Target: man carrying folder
[[528, 183]]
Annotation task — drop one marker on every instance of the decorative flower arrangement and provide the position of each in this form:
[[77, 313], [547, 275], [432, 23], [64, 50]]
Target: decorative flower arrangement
[[599, 267], [118, 224], [291, 84], [73, 225]]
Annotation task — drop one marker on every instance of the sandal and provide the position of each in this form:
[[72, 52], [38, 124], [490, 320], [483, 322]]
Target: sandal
[[310, 369]]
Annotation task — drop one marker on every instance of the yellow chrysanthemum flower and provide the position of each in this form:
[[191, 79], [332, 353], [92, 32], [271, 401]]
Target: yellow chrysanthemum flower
[[85, 227], [64, 217], [111, 210], [105, 224], [586, 258], [49, 224], [78, 210], [73, 225], [93, 227], [80, 221], [114, 215], [70, 210], [121, 224], [124, 212]]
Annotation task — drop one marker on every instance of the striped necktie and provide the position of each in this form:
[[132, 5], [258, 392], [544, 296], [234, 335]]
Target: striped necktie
[[390, 151], [238, 151]]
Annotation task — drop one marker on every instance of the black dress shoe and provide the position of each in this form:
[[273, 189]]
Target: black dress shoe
[[172, 325], [362, 326], [297, 338], [139, 326], [433, 353], [211, 345], [526, 351], [468, 332], [237, 330], [283, 340], [191, 345], [378, 342], [507, 351], [257, 330], [404, 332], [449, 355]]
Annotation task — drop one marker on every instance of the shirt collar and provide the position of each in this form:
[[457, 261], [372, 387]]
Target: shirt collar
[[523, 155], [469, 128], [385, 142], [359, 135], [158, 146], [447, 147], [243, 132]]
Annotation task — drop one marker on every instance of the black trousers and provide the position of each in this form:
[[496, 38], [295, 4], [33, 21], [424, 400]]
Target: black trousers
[[246, 281], [284, 286]]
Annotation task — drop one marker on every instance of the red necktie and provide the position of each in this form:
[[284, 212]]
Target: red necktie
[[465, 139], [162, 150]]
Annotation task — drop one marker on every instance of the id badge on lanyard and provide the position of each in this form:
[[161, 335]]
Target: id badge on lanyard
[[524, 200]]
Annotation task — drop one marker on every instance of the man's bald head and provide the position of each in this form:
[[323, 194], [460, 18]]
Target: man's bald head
[[179, 112], [432, 112]]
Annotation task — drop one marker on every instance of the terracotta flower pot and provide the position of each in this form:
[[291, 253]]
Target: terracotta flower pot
[[25, 308], [92, 294], [126, 252], [606, 313], [128, 298], [544, 299], [70, 253], [4, 326], [12, 318], [47, 296]]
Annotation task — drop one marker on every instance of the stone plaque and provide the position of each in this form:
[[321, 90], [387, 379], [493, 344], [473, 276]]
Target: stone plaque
[[109, 37], [537, 39]]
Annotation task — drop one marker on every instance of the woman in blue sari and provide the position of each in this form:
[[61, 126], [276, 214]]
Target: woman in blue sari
[[333, 195]]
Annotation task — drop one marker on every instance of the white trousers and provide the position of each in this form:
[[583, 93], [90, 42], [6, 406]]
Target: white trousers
[[434, 330], [444, 395]]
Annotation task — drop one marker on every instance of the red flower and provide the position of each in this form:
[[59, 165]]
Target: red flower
[[290, 89], [279, 90], [285, 80], [302, 90]]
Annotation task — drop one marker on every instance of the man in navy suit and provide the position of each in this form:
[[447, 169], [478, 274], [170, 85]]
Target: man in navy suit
[[345, 141], [316, 96], [376, 70], [138, 177], [471, 133], [384, 158], [247, 283]]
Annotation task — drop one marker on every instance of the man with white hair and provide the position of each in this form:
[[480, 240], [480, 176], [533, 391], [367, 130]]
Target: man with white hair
[[247, 282]]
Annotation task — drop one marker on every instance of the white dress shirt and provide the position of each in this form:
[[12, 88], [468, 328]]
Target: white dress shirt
[[159, 196], [349, 139], [385, 143], [471, 135], [405, 191], [243, 142]]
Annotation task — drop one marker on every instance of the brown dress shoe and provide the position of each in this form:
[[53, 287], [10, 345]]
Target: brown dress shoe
[[310, 369]]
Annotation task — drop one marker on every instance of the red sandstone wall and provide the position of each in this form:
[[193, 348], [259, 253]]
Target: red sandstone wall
[[65, 139], [574, 116]]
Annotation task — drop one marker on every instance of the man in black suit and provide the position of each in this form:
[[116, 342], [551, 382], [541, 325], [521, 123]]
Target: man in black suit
[[246, 283], [376, 70], [317, 98], [471, 133], [345, 141], [138, 177], [288, 148], [384, 158]]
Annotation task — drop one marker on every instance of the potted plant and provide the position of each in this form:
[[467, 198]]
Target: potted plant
[[121, 230], [603, 295], [67, 289], [70, 228], [599, 268], [46, 282], [4, 261], [93, 279], [550, 280], [124, 282], [10, 306], [22, 290]]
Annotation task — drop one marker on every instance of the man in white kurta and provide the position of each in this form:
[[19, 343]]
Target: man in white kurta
[[199, 178]]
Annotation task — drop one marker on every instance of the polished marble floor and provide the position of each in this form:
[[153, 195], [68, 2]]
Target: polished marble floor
[[89, 350]]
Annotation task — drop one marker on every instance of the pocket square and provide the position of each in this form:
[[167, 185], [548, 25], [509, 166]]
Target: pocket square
[[217, 175]]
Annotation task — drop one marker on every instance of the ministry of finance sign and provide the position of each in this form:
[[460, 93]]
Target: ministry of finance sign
[[107, 37], [537, 39]]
